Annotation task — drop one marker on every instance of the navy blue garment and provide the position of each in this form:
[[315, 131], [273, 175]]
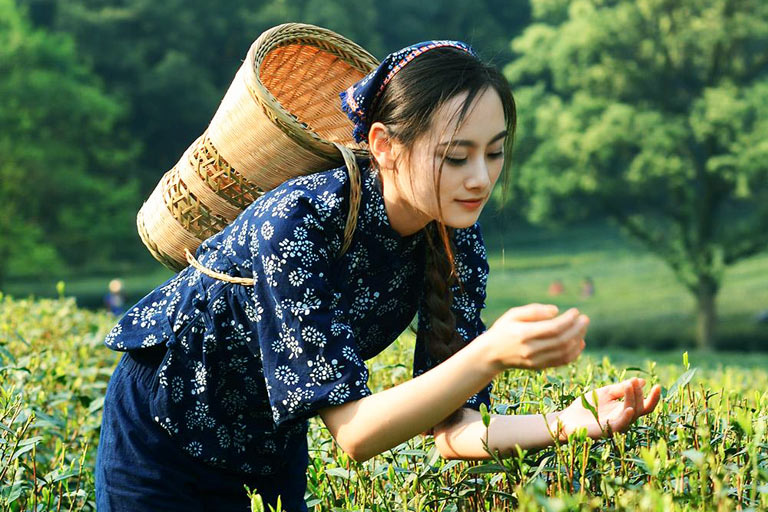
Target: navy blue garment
[[140, 468], [247, 366]]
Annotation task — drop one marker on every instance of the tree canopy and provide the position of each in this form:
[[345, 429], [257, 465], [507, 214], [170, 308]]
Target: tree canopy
[[63, 197], [654, 113], [102, 97]]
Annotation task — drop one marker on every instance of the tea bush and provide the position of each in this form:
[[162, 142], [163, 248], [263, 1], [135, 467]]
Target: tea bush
[[53, 374], [704, 448]]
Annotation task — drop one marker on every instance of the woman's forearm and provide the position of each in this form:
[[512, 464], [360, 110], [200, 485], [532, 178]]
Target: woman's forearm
[[465, 439], [381, 421]]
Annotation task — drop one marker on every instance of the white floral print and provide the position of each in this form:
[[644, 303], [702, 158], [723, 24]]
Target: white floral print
[[247, 365]]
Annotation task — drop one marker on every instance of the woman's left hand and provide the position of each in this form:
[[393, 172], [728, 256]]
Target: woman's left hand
[[614, 414]]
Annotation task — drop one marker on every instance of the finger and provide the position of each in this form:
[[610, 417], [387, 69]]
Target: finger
[[629, 396], [561, 356], [613, 391], [622, 421], [556, 353], [563, 341], [638, 389], [533, 312], [556, 326], [577, 330], [576, 350], [653, 399]]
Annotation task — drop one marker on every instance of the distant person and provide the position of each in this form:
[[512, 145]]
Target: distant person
[[114, 300], [587, 287], [762, 317], [556, 288]]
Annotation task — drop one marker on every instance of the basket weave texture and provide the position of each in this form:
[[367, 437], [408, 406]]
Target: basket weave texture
[[280, 118]]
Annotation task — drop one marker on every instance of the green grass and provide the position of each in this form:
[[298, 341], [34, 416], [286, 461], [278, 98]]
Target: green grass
[[705, 448], [89, 291], [638, 302]]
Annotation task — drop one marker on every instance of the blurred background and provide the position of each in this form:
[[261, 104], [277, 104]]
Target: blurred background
[[639, 185]]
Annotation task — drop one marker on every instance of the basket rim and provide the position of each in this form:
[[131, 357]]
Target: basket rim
[[288, 34]]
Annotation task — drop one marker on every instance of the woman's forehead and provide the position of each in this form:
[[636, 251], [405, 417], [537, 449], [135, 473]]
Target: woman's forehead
[[482, 123]]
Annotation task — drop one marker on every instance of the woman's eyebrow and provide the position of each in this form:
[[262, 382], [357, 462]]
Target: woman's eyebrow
[[469, 143]]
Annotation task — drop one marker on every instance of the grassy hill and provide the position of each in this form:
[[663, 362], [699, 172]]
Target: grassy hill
[[637, 302]]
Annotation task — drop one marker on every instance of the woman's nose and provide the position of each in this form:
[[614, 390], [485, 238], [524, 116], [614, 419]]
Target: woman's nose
[[480, 176]]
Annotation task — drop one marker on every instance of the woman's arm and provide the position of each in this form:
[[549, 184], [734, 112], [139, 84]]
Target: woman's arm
[[464, 440], [373, 424], [525, 337], [619, 405]]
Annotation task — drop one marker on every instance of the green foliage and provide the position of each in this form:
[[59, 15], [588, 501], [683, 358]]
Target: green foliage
[[61, 195], [690, 455], [704, 449], [637, 302], [172, 61], [53, 375], [101, 97], [654, 113]]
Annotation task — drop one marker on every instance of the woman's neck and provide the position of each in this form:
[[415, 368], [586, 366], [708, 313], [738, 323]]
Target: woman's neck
[[403, 218]]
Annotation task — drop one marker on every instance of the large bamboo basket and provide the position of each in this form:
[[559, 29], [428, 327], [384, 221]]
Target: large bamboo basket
[[280, 118]]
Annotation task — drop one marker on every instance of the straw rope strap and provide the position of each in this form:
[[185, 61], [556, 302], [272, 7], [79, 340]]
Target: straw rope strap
[[355, 185], [246, 281]]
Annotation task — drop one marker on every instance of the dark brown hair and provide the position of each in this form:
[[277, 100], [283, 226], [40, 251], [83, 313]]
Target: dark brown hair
[[407, 107]]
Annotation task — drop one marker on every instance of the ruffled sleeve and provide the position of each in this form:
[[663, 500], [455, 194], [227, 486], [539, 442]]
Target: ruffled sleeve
[[309, 353], [472, 266]]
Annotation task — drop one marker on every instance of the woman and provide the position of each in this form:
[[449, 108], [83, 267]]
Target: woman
[[220, 379]]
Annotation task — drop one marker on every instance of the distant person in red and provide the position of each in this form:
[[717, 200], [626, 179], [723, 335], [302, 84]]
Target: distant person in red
[[114, 300], [556, 288], [587, 287]]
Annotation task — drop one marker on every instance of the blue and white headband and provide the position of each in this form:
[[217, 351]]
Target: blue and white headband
[[358, 98]]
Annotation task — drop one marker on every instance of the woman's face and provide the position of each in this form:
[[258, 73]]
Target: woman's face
[[473, 163]]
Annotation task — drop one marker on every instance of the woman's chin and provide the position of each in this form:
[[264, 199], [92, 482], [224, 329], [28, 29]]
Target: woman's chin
[[462, 221]]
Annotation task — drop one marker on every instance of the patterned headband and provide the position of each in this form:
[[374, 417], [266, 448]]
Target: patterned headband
[[358, 98]]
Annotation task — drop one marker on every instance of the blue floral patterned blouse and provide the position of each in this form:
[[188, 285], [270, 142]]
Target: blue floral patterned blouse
[[246, 366]]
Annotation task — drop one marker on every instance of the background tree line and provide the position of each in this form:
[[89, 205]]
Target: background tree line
[[653, 113], [100, 98]]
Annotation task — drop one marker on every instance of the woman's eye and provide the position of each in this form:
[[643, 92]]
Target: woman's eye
[[459, 161], [455, 161]]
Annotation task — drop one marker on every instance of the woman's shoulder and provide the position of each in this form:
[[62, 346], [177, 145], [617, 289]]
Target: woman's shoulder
[[322, 196], [470, 238]]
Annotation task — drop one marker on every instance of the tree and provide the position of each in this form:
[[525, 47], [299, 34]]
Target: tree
[[59, 171], [654, 112], [487, 25], [172, 61]]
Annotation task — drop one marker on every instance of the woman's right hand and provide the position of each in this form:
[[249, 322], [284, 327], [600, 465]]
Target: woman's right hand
[[536, 337]]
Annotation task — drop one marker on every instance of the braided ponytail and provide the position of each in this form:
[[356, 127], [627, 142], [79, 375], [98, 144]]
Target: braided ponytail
[[442, 340]]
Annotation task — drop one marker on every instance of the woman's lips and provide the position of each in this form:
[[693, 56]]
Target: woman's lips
[[470, 204]]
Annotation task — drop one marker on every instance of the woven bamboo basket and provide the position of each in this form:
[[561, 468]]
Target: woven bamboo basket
[[280, 118]]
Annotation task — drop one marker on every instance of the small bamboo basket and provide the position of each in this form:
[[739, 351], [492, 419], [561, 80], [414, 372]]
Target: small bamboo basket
[[280, 118]]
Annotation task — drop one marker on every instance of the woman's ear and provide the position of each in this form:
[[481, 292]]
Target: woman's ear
[[381, 146]]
